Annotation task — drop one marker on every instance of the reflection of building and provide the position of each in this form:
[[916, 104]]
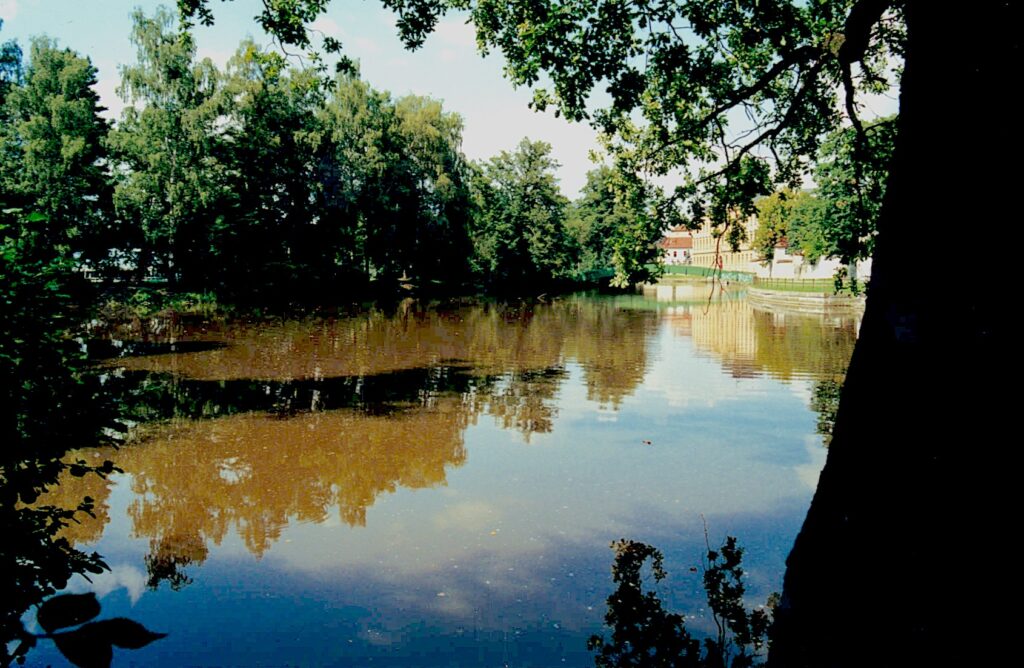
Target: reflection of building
[[681, 292], [726, 329], [749, 342], [680, 319]]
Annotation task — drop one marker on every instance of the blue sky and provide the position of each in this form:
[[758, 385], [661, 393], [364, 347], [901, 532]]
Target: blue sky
[[448, 66]]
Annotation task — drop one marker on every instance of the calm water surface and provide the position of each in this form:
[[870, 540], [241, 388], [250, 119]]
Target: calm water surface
[[435, 486]]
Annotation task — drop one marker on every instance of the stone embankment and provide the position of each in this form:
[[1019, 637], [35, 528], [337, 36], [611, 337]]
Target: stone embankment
[[806, 302]]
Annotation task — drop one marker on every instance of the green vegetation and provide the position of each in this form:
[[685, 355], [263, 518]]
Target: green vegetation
[[840, 218], [705, 272], [271, 184], [611, 226], [268, 184], [52, 159], [521, 234]]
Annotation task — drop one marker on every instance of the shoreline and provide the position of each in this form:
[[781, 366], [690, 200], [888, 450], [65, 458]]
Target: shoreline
[[810, 303]]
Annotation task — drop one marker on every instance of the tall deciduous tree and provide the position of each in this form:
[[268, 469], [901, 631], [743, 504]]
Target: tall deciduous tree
[[793, 216], [594, 219], [54, 161], [612, 224], [10, 66], [394, 184], [266, 237], [438, 246], [520, 228], [851, 173], [168, 144], [354, 123]]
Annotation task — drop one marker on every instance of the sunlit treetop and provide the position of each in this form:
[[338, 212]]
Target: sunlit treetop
[[725, 97]]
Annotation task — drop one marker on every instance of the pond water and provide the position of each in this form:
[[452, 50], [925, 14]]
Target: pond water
[[439, 485]]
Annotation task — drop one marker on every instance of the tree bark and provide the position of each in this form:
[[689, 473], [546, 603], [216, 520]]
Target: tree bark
[[894, 547]]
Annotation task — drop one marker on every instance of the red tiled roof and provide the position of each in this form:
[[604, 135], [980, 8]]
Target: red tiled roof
[[676, 242]]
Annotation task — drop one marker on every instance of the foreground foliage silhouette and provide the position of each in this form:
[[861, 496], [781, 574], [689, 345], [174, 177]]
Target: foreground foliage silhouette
[[91, 644], [645, 634], [47, 406]]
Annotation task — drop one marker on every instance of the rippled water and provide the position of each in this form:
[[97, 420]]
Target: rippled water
[[438, 485]]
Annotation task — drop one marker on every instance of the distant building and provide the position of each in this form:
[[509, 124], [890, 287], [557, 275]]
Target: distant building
[[678, 247], [711, 248], [785, 263]]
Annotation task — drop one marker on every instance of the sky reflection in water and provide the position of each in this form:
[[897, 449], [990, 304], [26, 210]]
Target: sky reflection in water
[[439, 487]]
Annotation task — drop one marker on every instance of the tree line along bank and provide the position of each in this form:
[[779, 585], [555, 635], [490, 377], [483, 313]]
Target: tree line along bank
[[268, 183]]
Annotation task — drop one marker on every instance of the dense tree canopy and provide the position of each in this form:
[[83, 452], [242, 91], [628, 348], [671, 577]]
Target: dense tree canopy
[[262, 239], [271, 182], [166, 145], [53, 158], [727, 97], [851, 179], [593, 219], [521, 236]]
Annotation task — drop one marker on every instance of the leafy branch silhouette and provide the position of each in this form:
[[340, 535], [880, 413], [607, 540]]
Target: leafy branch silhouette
[[645, 634], [91, 645]]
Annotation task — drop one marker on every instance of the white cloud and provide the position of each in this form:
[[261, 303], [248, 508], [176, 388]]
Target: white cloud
[[328, 26], [219, 56], [122, 576], [456, 33], [367, 45], [809, 472], [8, 9], [467, 515], [495, 125]]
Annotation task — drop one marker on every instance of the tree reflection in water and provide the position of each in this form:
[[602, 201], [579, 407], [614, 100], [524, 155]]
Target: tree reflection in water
[[298, 421], [644, 633], [302, 445]]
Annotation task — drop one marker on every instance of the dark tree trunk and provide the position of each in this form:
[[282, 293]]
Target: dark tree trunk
[[897, 542]]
